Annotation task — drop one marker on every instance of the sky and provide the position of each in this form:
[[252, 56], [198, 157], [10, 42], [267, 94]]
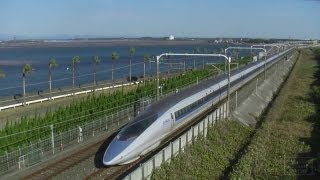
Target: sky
[[159, 18]]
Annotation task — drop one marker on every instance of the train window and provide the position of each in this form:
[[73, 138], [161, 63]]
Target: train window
[[140, 124], [190, 107]]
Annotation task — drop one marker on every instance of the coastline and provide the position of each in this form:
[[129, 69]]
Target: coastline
[[100, 43]]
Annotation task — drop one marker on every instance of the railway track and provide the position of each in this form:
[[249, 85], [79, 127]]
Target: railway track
[[119, 172], [114, 172], [110, 172], [61, 165]]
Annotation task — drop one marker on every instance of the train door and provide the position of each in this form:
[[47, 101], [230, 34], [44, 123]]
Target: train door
[[173, 120]]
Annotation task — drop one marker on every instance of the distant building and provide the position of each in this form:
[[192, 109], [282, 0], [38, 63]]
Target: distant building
[[171, 37]]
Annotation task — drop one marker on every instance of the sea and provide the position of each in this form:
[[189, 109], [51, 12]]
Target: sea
[[13, 59]]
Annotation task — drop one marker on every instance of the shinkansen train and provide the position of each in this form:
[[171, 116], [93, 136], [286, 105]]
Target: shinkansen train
[[161, 119]]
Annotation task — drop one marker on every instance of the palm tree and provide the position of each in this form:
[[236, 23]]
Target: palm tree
[[2, 75], [195, 51], [235, 53], [95, 60], [75, 61], [52, 64], [205, 51], [222, 50], [146, 58], [114, 57], [169, 62], [26, 69], [184, 63], [132, 50]]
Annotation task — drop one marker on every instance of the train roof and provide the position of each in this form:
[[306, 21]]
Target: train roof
[[164, 104]]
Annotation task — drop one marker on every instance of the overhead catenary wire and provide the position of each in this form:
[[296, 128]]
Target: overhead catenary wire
[[69, 120]]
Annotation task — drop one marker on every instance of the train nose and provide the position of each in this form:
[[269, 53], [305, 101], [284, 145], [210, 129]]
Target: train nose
[[110, 161], [112, 155]]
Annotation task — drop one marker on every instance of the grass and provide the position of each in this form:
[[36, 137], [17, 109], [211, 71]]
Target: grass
[[207, 158], [284, 147]]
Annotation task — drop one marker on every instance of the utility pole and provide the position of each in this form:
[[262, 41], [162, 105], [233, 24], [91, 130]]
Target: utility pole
[[228, 98], [158, 83]]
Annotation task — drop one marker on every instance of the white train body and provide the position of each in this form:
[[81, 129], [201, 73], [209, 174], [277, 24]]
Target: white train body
[[170, 113]]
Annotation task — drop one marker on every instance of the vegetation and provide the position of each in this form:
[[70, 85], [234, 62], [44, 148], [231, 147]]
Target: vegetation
[[287, 144], [26, 69], [131, 54], [261, 41], [207, 158], [245, 60], [2, 75], [146, 58], [52, 64], [75, 61], [204, 51], [114, 57], [235, 53], [34, 128], [195, 51], [95, 60]]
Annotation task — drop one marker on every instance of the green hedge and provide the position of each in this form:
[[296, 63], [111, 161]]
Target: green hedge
[[87, 110]]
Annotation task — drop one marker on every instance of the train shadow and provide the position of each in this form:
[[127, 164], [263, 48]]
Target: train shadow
[[99, 154]]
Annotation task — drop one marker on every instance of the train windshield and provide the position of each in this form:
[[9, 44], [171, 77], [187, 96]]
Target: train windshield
[[135, 128]]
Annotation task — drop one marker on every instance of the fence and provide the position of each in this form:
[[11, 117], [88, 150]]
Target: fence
[[242, 93], [37, 151], [178, 145], [38, 92], [55, 103], [172, 149]]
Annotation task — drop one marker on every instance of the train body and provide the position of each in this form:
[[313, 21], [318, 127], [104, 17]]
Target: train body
[[145, 132]]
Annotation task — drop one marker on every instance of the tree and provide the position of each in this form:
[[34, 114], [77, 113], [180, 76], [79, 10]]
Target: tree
[[169, 62], [205, 51], [132, 50], [146, 58], [184, 63], [235, 53], [222, 50], [95, 60], [114, 57], [75, 61], [26, 69], [52, 64], [2, 75], [195, 51]]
